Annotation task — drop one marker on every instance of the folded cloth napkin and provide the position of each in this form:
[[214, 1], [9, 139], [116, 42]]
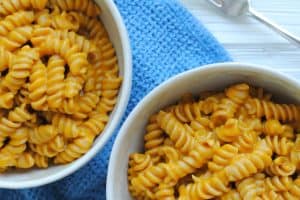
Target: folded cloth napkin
[[166, 40]]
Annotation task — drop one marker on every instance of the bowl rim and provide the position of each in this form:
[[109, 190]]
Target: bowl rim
[[119, 111], [138, 108]]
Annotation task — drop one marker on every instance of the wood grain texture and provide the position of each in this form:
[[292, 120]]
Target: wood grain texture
[[248, 40]]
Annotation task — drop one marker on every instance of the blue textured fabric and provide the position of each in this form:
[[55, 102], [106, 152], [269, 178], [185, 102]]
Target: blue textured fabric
[[166, 40]]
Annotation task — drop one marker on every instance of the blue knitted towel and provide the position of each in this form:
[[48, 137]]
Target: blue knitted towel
[[166, 40]]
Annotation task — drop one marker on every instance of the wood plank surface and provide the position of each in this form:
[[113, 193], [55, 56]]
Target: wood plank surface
[[248, 40]]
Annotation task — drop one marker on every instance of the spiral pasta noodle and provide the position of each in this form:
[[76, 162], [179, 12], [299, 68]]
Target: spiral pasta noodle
[[87, 7], [206, 188], [17, 19], [11, 6], [251, 163], [270, 110], [281, 146], [149, 178], [42, 134], [109, 86], [76, 60], [6, 58], [25, 161], [272, 128], [190, 163], [66, 126], [154, 136], [40, 161], [55, 81], [187, 112], [295, 153], [245, 142], [224, 111], [231, 145], [238, 93], [281, 166], [165, 192], [59, 82], [278, 183], [211, 103], [84, 44], [222, 157], [74, 150], [252, 187], [176, 131], [38, 87], [229, 131], [51, 148], [16, 38], [20, 69], [139, 163], [64, 21]]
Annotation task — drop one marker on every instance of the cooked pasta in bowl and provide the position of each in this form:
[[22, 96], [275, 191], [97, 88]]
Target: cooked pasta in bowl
[[226, 131], [64, 86]]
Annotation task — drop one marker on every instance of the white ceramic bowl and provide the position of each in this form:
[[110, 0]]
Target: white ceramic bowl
[[211, 77], [118, 34]]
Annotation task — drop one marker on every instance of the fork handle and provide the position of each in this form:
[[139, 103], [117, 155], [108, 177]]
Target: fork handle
[[286, 34]]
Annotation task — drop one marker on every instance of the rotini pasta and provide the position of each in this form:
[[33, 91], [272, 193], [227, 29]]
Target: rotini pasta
[[222, 157], [154, 136], [187, 112], [210, 103], [38, 87], [75, 149], [190, 163], [66, 125], [6, 59], [55, 81], [278, 183], [84, 44], [88, 7], [51, 148], [224, 111], [270, 110], [42, 134], [252, 187], [245, 142], [238, 93], [183, 141], [281, 166], [59, 82], [16, 38], [76, 60], [149, 178], [251, 163], [18, 19], [139, 163], [64, 21], [11, 6], [229, 131], [281, 146], [40, 161], [206, 188], [20, 70], [165, 192], [229, 145], [25, 161]]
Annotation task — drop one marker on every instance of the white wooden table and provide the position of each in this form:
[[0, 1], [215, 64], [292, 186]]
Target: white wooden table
[[249, 41]]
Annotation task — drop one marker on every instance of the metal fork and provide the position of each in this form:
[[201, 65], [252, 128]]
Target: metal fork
[[242, 7]]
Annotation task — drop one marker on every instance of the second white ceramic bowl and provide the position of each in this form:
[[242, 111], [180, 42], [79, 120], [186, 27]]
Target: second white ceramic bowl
[[206, 78], [118, 34]]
